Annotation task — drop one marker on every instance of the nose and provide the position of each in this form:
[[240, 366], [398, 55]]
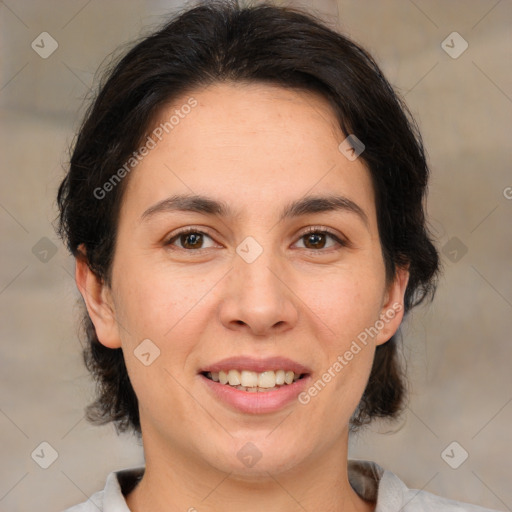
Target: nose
[[258, 297]]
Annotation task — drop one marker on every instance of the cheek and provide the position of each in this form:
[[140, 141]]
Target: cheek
[[347, 304], [157, 303], [158, 333], [167, 308], [348, 310]]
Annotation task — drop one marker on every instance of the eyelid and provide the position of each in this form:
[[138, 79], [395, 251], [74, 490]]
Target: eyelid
[[319, 228]]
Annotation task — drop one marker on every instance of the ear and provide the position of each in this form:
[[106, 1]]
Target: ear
[[393, 309], [98, 299]]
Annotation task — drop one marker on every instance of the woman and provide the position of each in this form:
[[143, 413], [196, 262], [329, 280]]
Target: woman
[[244, 202]]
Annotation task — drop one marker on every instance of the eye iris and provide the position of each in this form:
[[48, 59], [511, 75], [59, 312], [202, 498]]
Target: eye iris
[[314, 238], [194, 237]]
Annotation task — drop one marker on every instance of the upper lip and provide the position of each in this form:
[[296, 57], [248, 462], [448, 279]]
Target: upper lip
[[256, 365]]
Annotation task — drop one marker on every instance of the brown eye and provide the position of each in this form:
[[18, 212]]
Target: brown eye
[[317, 239], [189, 239]]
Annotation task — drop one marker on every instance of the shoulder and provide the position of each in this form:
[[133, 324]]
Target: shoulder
[[93, 504], [414, 500], [111, 498], [373, 482]]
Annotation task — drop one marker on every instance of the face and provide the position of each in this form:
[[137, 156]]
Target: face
[[262, 289]]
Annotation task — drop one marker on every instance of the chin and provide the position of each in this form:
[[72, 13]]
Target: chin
[[254, 456]]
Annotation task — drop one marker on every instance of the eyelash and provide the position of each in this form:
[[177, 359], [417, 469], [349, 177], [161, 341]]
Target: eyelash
[[310, 230]]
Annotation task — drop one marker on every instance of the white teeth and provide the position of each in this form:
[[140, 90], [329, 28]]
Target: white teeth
[[249, 379], [251, 382], [288, 377], [267, 380], [234, 378]]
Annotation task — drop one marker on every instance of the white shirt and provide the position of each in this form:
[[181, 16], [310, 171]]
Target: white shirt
[[367, 478]]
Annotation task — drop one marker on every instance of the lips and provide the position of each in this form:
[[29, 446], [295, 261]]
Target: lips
[[251, 400], [256, 365]]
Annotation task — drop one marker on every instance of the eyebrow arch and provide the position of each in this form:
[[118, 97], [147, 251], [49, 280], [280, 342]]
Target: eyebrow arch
[[209, 206]]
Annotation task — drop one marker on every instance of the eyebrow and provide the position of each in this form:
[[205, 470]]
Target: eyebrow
[[208, 206]]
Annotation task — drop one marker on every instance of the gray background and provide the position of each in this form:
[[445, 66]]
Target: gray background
[[458, 350]]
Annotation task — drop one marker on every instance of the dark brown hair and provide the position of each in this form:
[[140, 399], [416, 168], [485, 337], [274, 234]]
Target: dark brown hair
[[218, 41]]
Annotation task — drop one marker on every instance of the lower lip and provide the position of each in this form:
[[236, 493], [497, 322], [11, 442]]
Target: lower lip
[[259, 402]]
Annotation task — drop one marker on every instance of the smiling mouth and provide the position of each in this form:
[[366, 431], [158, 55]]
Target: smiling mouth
[[254, 382]]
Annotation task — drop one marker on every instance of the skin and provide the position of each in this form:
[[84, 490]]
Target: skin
[[257, 147]]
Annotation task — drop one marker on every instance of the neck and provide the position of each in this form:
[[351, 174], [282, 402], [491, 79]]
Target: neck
[[179, 481]]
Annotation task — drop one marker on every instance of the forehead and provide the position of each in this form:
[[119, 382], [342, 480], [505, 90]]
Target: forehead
[[255, 144], [236, 109]]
